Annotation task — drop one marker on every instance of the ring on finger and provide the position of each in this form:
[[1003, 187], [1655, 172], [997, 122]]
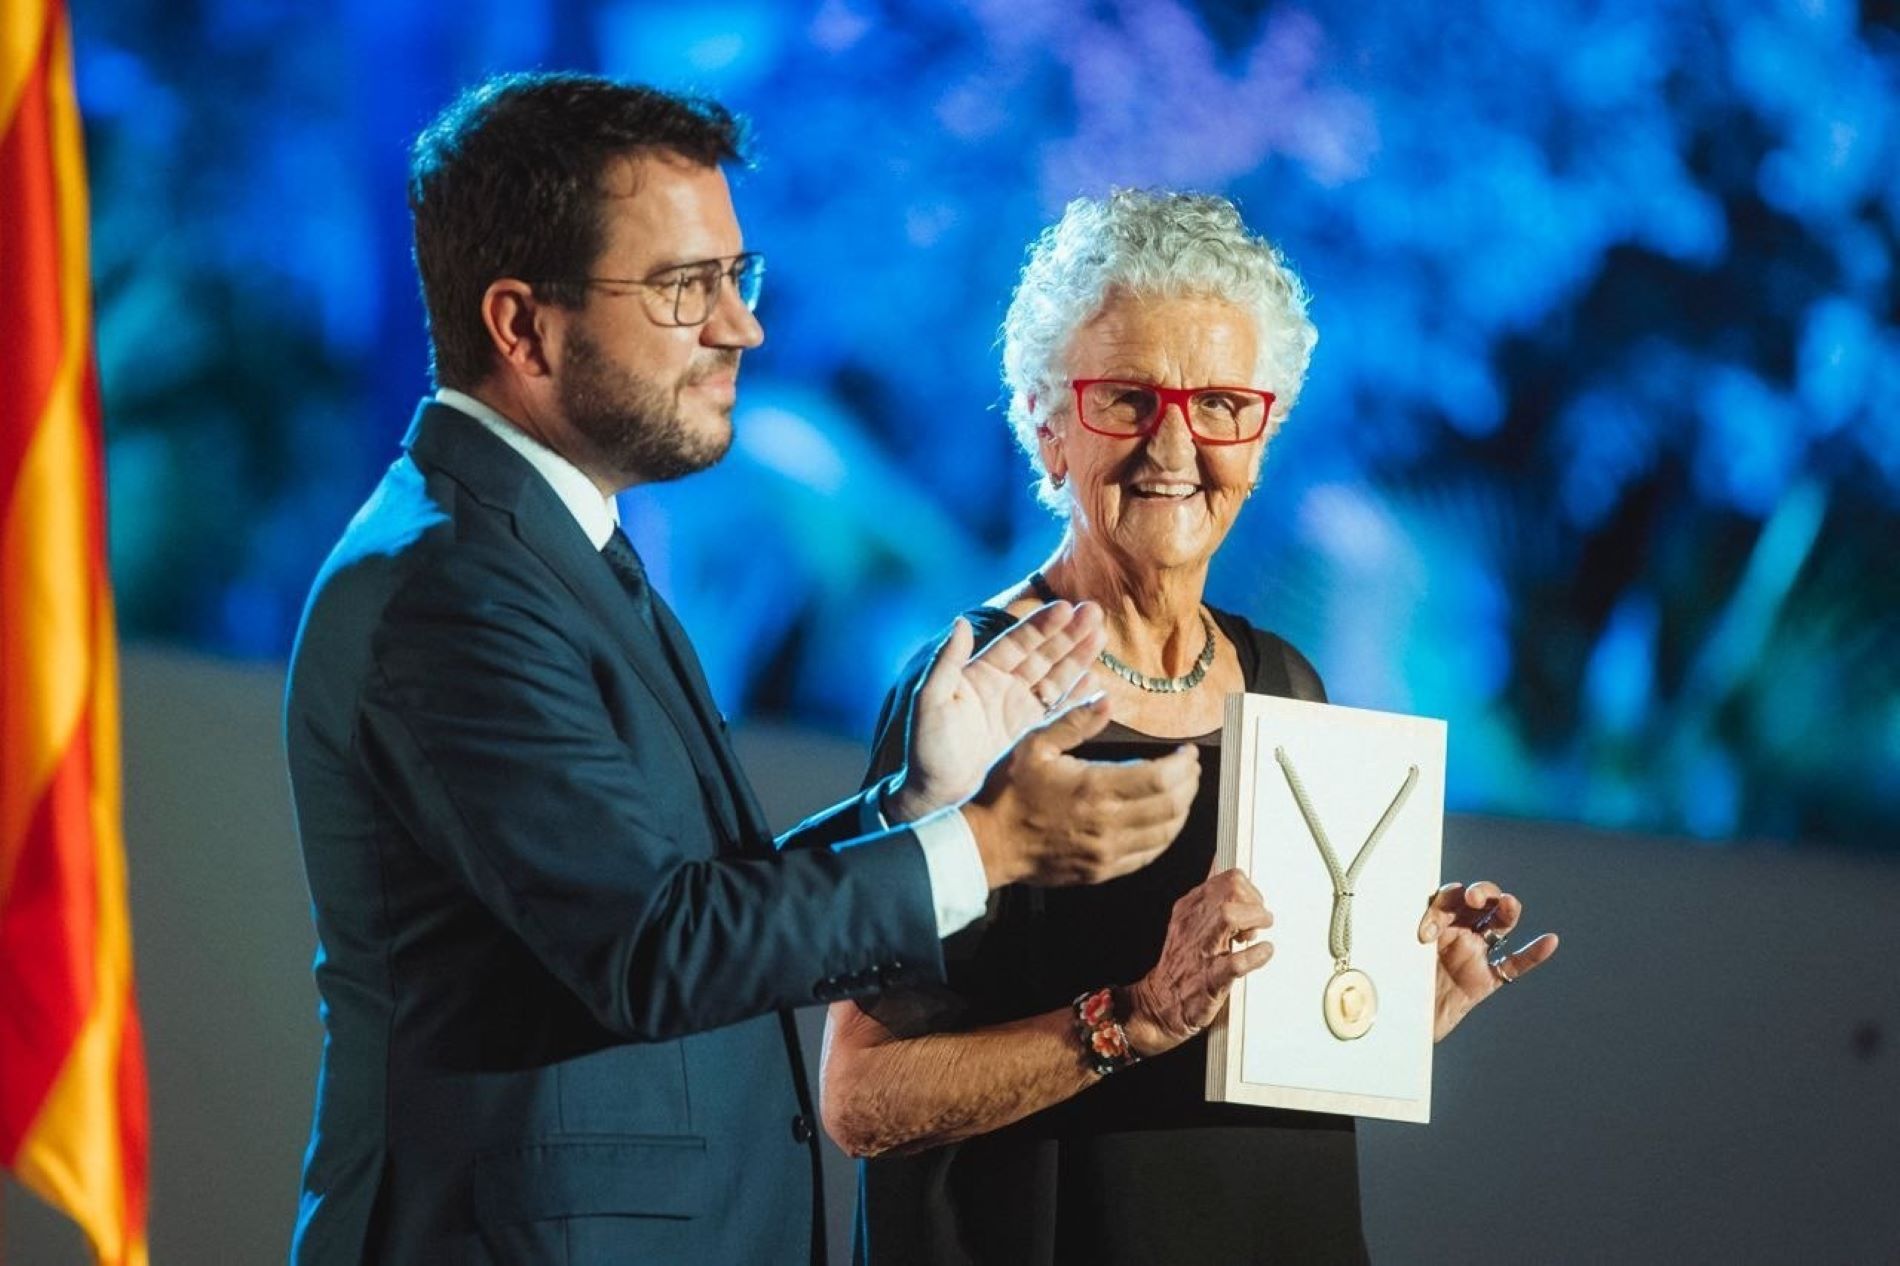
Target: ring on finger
[[1496, 952], [1498, 966]]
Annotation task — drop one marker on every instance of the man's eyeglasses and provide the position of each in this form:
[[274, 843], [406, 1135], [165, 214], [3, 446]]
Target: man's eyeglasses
[[687, 294], [1131, 410]]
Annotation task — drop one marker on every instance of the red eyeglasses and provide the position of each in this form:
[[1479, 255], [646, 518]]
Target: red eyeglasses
[[1132, 410]]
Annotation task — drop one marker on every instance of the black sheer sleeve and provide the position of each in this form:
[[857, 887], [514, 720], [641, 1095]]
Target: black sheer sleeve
[[1302, 678], [1269, 662]]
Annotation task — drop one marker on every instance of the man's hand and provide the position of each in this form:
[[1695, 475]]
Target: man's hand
[[969, 711], [1046, 817]]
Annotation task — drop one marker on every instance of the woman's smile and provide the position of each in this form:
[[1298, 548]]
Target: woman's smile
[[1164, 490]]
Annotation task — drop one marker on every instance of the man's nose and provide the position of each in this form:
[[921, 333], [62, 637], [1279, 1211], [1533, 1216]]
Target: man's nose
[[732, 324]]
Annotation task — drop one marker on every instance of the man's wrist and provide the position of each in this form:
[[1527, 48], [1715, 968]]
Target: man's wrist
[[996, 858], [958, 891]]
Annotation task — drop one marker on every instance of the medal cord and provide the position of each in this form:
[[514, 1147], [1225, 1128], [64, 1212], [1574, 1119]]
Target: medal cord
[[1339, 931]]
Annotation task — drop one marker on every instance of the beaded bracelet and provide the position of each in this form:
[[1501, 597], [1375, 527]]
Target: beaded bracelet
[[1104, 1043]]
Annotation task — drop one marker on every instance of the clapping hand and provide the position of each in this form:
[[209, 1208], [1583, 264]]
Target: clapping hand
[[970, 710], [1470, 924]]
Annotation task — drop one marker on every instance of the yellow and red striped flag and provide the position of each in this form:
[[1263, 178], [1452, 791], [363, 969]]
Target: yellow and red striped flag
[[73, 1123]]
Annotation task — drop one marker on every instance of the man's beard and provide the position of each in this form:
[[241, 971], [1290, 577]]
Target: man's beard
[[634, 424]]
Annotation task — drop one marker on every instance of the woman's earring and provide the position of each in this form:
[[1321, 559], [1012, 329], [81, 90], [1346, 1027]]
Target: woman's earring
[[1055, 481]]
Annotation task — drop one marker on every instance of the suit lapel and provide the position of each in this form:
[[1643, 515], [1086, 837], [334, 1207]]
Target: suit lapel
[[694, 678], [497, 476]]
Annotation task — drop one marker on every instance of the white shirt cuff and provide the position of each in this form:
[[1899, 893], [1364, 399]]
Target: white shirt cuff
[[959, 890]]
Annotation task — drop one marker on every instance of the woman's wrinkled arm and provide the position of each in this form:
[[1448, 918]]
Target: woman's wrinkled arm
[[882, 1094]]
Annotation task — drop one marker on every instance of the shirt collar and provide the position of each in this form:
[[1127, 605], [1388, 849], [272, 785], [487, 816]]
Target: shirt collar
[[597, 515]]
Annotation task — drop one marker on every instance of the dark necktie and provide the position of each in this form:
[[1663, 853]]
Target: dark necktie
[[631, 573]]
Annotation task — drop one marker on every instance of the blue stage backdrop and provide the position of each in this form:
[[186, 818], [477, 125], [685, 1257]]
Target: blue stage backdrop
[[1600, 456]]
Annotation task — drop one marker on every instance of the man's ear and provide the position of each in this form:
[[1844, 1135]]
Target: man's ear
[[517, 327]]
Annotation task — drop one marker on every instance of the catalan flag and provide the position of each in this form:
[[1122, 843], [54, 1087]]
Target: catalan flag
[[72, 1067]]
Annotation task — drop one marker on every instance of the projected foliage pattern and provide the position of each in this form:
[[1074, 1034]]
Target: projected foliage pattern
[[1600, 457]]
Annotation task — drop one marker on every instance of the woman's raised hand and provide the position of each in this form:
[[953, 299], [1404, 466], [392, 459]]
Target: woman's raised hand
[[971, 709]]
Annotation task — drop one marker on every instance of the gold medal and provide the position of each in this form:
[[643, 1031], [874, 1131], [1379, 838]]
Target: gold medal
[[1351, 1004]]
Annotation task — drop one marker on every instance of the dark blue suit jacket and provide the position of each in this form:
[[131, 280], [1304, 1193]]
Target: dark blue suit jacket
[[556, 939]]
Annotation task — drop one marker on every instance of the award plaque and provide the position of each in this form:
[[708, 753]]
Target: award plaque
[[1337, 815]]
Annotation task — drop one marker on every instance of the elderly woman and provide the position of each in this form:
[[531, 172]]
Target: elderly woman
[[1047, 1106]]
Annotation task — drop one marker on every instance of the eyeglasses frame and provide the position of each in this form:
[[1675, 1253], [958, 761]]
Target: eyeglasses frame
[[1179, 397], [659, 282]]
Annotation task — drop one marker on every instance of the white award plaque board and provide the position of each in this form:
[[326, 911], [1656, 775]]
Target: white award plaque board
[[1274, 1044]]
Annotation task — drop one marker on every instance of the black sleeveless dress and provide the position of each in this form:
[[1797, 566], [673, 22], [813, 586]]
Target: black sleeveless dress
[[1139, 1168]]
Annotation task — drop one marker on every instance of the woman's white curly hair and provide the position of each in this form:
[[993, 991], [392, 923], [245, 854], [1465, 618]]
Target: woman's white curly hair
[[1146, 242]]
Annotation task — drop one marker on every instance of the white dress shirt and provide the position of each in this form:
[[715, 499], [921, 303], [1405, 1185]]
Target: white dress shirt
[[959, 890]]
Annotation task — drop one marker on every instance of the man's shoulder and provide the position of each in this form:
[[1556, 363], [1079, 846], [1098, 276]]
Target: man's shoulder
[[419, 541], [411, 523]]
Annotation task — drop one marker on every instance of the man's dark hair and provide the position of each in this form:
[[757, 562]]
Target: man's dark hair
[[507, 183]]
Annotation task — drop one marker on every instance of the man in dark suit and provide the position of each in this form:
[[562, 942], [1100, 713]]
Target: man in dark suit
[[558, 943]]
